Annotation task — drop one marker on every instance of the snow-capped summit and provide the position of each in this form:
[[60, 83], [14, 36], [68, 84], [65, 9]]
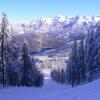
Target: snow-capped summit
[[56, 24]]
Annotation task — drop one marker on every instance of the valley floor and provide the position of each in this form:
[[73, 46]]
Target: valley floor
[[52, 91]]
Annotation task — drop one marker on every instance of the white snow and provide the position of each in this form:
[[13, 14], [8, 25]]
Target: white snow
[[53, 91], [48, 20], [55, 24]]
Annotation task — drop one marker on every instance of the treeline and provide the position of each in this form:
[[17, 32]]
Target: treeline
[[16, 66], [83, 64], [58, 75]]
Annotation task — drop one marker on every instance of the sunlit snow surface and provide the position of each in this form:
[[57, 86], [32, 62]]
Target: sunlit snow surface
[[52, 91]]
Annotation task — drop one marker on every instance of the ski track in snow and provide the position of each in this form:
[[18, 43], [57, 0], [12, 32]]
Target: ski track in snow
[[52, 91]]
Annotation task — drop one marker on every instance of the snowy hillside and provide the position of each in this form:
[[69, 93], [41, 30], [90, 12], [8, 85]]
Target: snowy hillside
[[53, 91]]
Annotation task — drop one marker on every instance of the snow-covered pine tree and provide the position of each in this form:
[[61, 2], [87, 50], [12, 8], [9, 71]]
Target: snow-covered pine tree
[[62, 76], [58, 75], [97, 49], [71, 66], [12, 60], [9, 57], [36, 76], [26, 67], [81, 75], [4, 38], [30, 75], [90, 55], [54, 74]]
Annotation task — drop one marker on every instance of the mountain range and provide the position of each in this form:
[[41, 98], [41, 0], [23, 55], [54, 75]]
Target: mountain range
[[53, 32], [63, 24]]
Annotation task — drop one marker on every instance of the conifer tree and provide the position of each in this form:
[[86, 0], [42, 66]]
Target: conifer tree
[[97, 49], [81, 71], [90, 55], [4, 39], [13, 64], [30, 75], [72, 64]]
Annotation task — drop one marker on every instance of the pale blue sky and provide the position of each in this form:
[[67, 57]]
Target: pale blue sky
[[30, 9]]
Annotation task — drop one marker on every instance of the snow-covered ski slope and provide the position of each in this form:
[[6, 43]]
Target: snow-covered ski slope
[[52, 91]]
